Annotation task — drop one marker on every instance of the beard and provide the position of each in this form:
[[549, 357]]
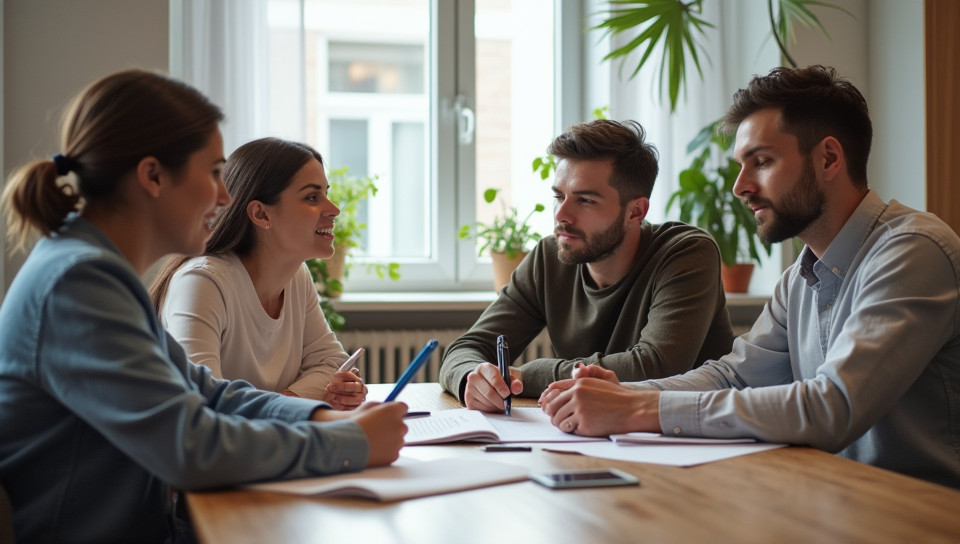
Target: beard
[[597, 246], [796, 211]]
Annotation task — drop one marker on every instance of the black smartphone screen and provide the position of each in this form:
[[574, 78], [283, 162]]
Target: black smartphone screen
[[584, 478]]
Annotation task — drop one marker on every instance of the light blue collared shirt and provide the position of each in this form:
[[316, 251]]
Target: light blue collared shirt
[[100, 408], [857, 352]]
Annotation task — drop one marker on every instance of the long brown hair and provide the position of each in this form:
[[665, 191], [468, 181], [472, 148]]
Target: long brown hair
[[108, 128], [258, 170]]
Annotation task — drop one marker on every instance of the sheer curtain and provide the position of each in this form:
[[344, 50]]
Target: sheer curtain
[[220, 47], [737, 48]]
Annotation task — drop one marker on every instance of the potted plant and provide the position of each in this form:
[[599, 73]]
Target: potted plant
[[507, 238], [348, 193], [706, 199]]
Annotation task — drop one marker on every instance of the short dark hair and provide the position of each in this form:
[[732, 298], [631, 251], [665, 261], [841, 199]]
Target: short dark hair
[[634, 160], [814, 103]]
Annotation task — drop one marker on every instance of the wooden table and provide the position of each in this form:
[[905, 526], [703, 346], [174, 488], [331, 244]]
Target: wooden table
[[785, 495]]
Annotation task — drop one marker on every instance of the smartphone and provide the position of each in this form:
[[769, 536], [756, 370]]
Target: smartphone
[[570, 479]]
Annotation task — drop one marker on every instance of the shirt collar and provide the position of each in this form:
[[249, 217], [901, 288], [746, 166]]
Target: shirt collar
[[843, 249]]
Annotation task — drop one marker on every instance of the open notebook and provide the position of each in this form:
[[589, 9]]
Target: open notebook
[[405, 479], [461, 425]]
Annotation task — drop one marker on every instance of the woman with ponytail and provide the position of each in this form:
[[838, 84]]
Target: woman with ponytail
[[101, 412], [248, 308]]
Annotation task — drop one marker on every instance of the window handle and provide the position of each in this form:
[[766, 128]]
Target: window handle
[[466, 121]]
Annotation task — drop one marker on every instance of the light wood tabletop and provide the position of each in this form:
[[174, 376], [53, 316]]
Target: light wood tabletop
[[784, 495]]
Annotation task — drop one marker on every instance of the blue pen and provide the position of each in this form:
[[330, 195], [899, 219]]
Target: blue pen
[[412, 369], [503, 363]]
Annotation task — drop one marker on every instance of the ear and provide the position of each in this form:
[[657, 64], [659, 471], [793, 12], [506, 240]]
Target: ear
[[832, 159], [637, 208], [258, 214], [151, 175]]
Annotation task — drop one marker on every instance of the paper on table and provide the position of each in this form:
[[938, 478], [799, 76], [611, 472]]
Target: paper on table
[[657, 438], [663, 454], [529, 424], [405, 479], [525, 425]]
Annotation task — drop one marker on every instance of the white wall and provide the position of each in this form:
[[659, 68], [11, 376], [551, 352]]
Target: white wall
[[51, 50], [898, 159], [880, 49]]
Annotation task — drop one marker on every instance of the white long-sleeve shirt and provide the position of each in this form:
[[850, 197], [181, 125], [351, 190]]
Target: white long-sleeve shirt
[[212, 309]]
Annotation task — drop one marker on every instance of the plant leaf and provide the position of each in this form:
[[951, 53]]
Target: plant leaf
[[670, 23]]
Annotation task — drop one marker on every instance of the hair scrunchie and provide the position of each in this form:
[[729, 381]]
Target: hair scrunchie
[[64, 165]]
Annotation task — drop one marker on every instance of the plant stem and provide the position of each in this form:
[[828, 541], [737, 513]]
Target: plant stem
[[780, 44]]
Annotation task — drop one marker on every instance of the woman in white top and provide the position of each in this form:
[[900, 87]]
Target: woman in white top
[[248, 308]]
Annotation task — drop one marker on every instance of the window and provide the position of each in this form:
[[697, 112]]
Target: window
[[439, 100]]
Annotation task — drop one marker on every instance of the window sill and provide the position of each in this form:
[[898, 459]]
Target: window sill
[[460, 309]]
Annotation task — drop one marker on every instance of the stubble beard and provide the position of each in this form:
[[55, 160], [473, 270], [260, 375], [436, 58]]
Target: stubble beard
[[597, 247], [802, 206]]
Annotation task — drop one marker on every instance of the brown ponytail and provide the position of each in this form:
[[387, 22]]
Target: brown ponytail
[[108, 128], [33, 201]]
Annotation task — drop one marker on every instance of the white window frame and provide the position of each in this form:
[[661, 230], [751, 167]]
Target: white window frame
[[454, 264]]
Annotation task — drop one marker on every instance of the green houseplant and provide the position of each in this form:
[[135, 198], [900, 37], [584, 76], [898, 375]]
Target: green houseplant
[[705, 198], [507, 238], [348, 193]]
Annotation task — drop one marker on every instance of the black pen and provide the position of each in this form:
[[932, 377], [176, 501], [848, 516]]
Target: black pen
[[503, 363]]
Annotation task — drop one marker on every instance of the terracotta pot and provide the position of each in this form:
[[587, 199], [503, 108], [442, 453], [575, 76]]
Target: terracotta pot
[[336, 266], [736, 278], [503, 268]]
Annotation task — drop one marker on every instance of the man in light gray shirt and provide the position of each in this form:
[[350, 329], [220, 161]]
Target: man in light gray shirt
[[858, 350]]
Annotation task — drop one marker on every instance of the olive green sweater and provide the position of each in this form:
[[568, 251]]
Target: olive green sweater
[[666, 316]]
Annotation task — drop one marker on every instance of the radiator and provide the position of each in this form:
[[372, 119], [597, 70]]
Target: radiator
[[388, 351]]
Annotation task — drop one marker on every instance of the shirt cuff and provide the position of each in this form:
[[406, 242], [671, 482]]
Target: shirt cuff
[[679, 413], [349, 449]]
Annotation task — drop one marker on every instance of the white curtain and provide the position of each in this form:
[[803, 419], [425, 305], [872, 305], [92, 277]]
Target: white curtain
[[221, 47], [734, 50]]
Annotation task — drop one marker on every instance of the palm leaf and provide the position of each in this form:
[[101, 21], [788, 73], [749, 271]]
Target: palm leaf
[[670, 23]]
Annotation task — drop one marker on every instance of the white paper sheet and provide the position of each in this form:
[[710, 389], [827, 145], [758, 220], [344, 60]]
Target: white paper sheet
[[405, 479], [662, 454], [527, 424]]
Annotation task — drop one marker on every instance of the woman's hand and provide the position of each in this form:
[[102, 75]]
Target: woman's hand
[[346, 391], [381, 423], [384, 427]]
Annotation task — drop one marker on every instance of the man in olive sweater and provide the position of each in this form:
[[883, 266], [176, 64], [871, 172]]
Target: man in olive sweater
[[611, 289]]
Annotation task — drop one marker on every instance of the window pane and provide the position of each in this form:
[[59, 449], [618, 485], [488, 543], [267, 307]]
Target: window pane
[[411, 198], [368, 108], [376, 68], [515, 103], [350, 148], [378, 95]]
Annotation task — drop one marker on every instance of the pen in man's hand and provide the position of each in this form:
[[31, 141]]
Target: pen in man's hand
[[503, 363], [348, 364]]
